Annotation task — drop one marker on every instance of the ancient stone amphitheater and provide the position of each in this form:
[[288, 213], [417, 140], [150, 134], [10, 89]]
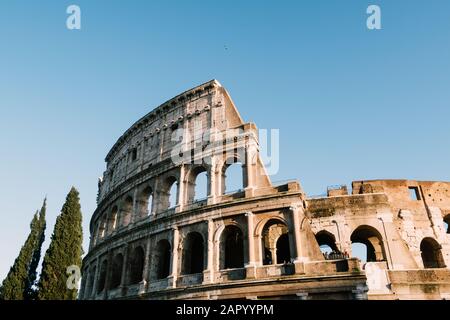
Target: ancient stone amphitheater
[[153, 237]]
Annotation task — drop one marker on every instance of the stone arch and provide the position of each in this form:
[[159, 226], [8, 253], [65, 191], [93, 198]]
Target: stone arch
[[145, 202], [102, 276], [112, 221], [258, 230], [193, 254], [275, 242], [126, 210], [197, 189], [372, 240], [240, 174], [169, 196], [431, 253], [326, 241], [137, 259], [116, 271], [161, 260], [231, 247]]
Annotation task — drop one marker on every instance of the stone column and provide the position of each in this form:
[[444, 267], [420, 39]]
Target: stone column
[[134, 214], [156, 205], [145, 277], [250, 152], [123, 280], [296, 209], [212, 183], [108, 274], [299, 258], [208, 274], [93, 292], [174, 276], [181, 187], [251, 265], [397, 255]]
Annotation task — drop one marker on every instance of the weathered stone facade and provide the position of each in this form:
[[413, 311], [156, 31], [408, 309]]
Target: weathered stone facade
[[262, 241]]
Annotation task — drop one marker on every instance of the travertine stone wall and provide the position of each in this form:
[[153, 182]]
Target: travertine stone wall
[[152, 238]]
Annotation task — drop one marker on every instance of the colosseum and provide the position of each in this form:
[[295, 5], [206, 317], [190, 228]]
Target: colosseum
[[154, 237]]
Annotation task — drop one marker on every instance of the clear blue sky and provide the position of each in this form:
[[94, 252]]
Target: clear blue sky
[[350, 103]]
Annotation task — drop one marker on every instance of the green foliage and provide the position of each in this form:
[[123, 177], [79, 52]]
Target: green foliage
[[65, 250], [30, 293], [14, 285]]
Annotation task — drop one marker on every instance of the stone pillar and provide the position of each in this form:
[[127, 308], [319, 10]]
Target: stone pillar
[[273, 253], [174, 276], [181, 197], [397, 254], [299, 258], [108, 274], [123, 281], [251, 265], [208, 274], [212, 183], [156, 205], [134, 214], [93, 293], [145, 276], [296, 210], [250, 153]]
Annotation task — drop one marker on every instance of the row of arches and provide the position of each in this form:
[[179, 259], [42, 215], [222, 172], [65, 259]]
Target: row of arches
[[368, 246], [276, 245], [275, 242], [168, 196]]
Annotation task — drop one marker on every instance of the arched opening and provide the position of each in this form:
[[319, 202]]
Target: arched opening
[[201, 186], [193, 254], [283, 251], [431, 254], [137, 265], [232, 176], [103, 227], [116, 272], [327, 243], [173, 195], [102, 277], [275, 243], [232, 248], [113, 219], [162, 259], [169, 193], [367, 244], [127, 209], [197, 188], [145, 202], [447, 223]]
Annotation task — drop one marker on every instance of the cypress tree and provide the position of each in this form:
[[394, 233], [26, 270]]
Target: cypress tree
[[30, 292], [13, 286], [65, 250]]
